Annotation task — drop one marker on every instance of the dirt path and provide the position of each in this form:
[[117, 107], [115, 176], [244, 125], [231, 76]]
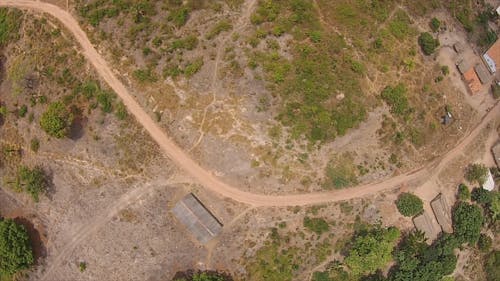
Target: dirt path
[[207, 178]]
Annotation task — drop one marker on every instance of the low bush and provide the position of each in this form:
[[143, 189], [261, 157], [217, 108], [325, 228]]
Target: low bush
[[428, 43]]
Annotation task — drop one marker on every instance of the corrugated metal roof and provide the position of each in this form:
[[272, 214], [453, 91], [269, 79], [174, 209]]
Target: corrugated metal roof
[[482, 73], [425, 223], [442, 211], [200, 222]]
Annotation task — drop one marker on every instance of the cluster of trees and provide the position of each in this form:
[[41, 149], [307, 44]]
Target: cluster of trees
[[15, 248], [372, 250]]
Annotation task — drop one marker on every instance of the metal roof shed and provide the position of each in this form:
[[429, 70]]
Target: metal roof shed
[[427, 225], [442, 211], [197, 218], [482, 73]]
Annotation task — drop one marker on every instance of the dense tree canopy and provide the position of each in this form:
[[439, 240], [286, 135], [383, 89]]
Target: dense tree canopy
[[467, 222], [417, 261], [372, 250], [409, 204], [15, 249], [57, 120]]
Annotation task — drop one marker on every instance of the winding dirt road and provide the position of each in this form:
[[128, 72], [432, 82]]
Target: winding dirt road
[[206, 178]]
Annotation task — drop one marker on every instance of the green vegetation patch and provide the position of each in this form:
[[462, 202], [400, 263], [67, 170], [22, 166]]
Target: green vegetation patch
[[321, 68], [56, 120], [428, 43], [316, 225], [372, 250], [467, 222], [396, 98], [219, 27], [15, 249], [340, 172], [409, 204], [10, 22]]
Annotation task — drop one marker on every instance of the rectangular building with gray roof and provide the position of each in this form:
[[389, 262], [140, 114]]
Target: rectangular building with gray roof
[[197, 218]]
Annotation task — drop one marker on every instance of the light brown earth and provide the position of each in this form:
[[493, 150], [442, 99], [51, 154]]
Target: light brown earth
[[207, 178]]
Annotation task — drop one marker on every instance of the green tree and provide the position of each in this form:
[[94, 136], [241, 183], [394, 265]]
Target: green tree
[[417, 261], [427, 43], [32, 181], [15, 248], [463, 192], [435, 24], [56, 120], [409, 204], [372, 250], [467, 222], [481, 196], [476, 173]]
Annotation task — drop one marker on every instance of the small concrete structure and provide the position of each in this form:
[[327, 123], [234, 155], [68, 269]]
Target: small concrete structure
[[442, 211], [489, 184], [200, 222], [425, 223]]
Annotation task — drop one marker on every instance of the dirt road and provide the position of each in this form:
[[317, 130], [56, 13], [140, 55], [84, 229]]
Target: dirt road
[[206, 178]]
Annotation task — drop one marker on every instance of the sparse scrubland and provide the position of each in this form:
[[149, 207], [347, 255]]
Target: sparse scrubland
[[275, 97]]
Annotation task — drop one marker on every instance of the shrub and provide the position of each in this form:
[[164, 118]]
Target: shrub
[[463, 192], [481, 196], [193, 67], [427, 43], [121, 111], [144, 75], [33, 181], [409, 204], [316, 225], [179, 16], [22, 111], [15, 249], [104, 98], [484, 243], [435, 24], [34, 144], [396, 98], [221, 26], [82, 266], [492, 266], [56, 120], [476, 173], [467, 222]]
